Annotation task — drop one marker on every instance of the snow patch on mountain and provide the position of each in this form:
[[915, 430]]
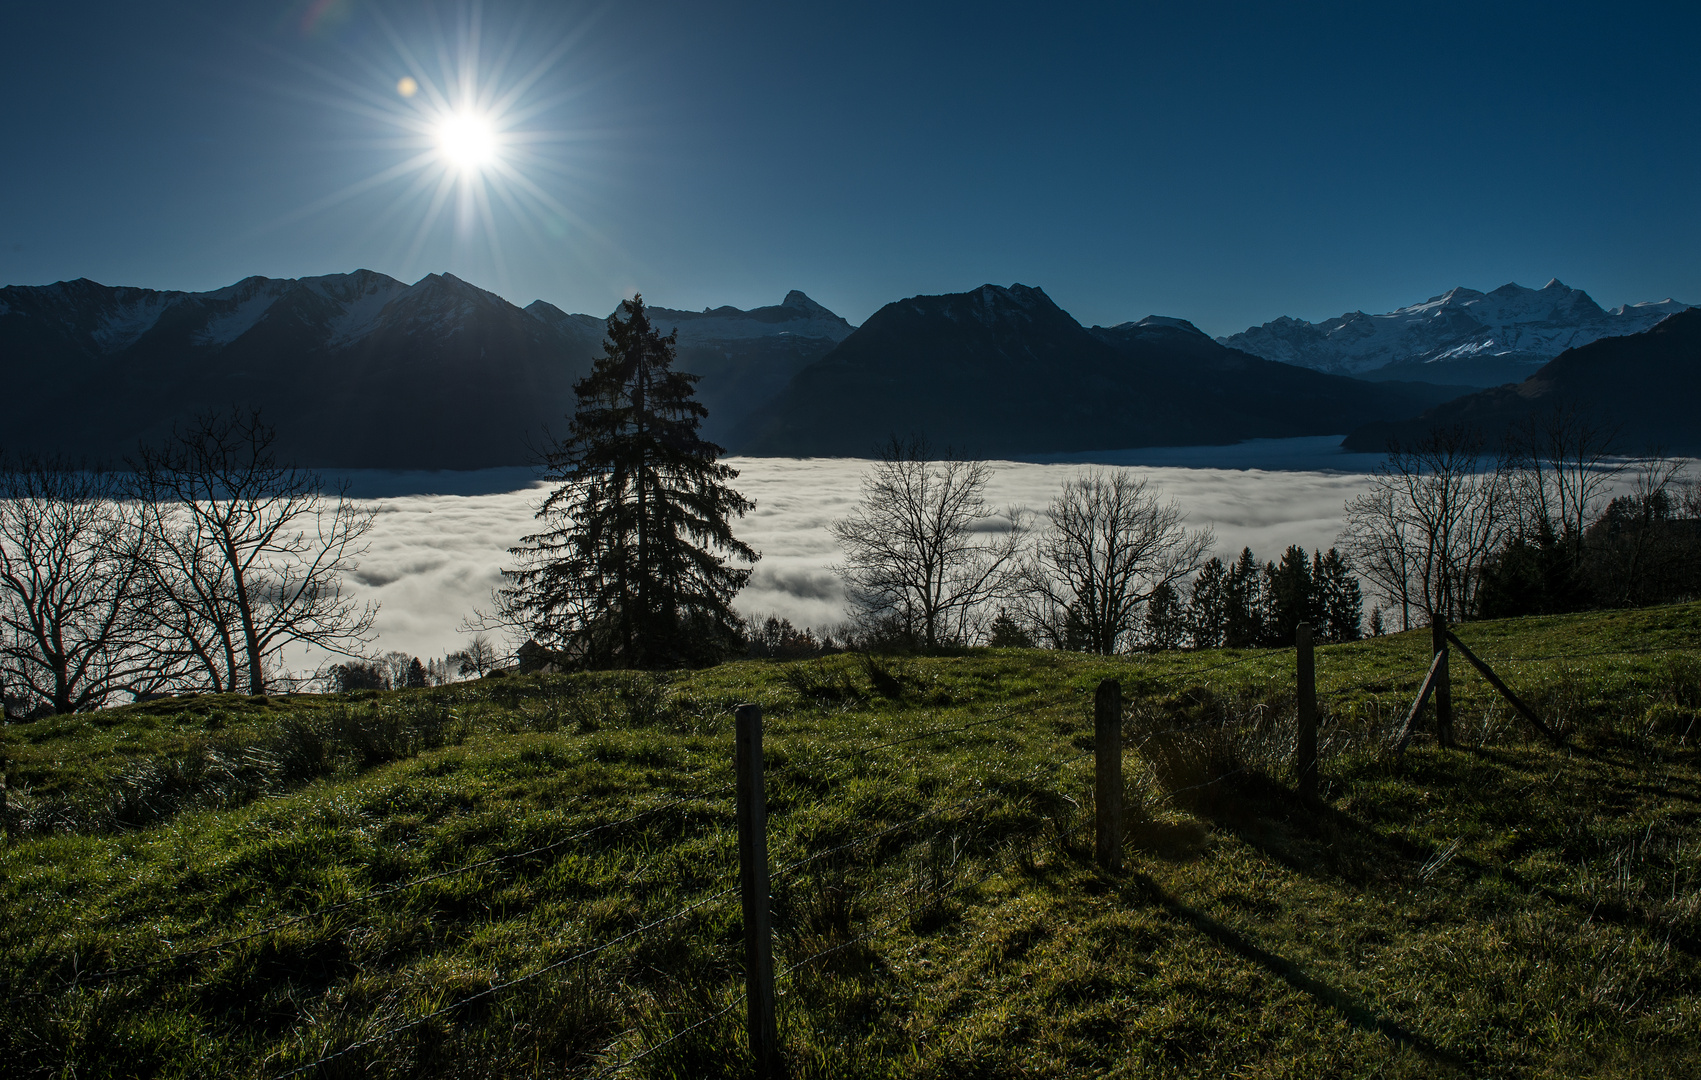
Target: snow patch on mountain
[[362, 313], [227, 326], [125, 323]]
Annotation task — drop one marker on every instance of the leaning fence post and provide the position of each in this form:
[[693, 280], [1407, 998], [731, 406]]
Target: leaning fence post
[[1306, 694], [1107, 772], [754, 888], [1443, 684]]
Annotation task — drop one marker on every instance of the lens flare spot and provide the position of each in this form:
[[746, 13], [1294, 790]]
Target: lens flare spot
[[407, 87]]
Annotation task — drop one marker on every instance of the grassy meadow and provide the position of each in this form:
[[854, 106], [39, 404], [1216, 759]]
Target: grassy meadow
[[536, 876]]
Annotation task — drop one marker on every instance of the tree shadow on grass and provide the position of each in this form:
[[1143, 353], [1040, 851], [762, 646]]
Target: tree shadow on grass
[[1322, 842], [1354, 1011], [1171, 841]]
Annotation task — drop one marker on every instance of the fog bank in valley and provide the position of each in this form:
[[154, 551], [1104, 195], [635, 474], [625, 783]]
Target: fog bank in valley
[[435, 557]]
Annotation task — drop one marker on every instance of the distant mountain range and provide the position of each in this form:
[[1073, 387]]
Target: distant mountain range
[[1460, 337], [362, 370], [356, 370], [1005, 372], [1646, 386]]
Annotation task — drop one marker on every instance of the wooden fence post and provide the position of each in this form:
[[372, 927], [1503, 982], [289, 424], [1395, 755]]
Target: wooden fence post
[[1417, 703], [1306, 695], [754, 888], [1107, 772], [1443, 683]]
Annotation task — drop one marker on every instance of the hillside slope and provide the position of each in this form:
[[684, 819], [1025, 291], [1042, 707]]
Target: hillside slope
[[537, 875]]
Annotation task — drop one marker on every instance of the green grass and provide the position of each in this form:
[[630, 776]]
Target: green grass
[[1502, 909]]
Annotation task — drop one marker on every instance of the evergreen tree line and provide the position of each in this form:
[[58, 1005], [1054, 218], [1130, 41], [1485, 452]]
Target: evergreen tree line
[[1247, 605], [397, 671], [1108, 566]]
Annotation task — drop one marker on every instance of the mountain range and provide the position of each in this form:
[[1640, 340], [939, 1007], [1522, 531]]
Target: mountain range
[[1645, 387], [1461, 337], [357, 370], [363, 370]]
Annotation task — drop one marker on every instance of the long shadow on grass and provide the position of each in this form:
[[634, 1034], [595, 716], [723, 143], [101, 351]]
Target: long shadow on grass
[[1320, 841], [1356, 1012]]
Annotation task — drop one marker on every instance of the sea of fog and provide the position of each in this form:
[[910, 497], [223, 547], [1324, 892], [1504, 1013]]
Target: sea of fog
[[441, 538]]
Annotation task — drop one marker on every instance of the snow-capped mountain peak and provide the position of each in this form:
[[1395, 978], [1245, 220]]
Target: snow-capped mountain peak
[[1505, 334]]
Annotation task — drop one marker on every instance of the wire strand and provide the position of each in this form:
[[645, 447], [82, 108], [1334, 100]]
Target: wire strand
[[675, 1037], [391, 890], [496, 988]]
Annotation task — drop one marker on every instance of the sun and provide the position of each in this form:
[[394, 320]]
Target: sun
[[466, 140], [476, 133]]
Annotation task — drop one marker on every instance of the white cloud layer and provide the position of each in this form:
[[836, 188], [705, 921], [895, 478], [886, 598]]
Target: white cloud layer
[[435, 557]]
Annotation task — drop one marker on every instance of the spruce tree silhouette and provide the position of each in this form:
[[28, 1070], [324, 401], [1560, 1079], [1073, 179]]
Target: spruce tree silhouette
[[635, 567]]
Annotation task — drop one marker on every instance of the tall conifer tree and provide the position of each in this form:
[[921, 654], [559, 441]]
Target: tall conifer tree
[[634, 568], [1207, 611], [1290, 594]]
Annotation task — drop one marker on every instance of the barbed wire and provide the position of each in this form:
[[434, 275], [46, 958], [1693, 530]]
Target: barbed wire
[[671, 1039], [1265, 655], [890, 829], [1033, 774], [994, 867], [797, 864], [391, 890], [1173, 792], [1590, 655], [496, 988], [863, 752]]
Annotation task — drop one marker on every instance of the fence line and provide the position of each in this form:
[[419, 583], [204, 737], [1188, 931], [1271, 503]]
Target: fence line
[[858, 754], [1265, 655], [587, 954], [1033, 774], [874, 931], [969, 808], [1589, 655]]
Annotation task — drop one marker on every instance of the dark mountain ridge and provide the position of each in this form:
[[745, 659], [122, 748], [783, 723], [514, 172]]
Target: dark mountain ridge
[[1006, 372], [356, 370]]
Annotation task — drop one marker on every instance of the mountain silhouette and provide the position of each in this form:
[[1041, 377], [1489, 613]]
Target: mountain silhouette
[[1005, 371]]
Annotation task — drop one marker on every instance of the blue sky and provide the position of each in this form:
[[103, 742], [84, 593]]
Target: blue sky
[[1224, 163]]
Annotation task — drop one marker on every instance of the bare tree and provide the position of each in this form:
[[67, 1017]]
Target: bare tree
[[191, 608], [1637, 552], [1379, 538], [1562, 470], [255, 551], [1111, 542], [395, 665], [477, 659], [1434, 513], [70, 587], [923, 552]]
